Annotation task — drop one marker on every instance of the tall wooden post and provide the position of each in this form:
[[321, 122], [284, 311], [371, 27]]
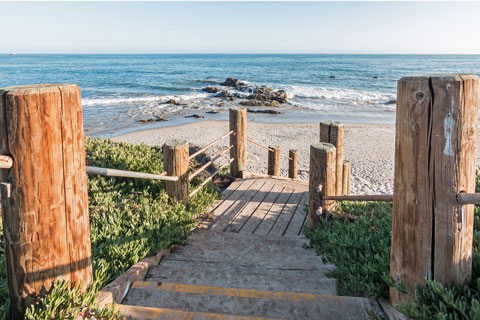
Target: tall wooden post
[[322, 180], [273, 161], [238, 123], [332, 132], [347, 171], [435, 158], [44, 196], [175, 157], [292, 164]]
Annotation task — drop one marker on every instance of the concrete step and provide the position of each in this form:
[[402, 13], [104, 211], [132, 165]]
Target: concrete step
[[250, 303], [144, 313], [304, 272], [227, 277]]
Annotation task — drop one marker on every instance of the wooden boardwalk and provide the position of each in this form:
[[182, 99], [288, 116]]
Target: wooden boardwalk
[[261, 205], [249, 261]]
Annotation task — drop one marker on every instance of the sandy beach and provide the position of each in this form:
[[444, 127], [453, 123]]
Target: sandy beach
[[370, 148]]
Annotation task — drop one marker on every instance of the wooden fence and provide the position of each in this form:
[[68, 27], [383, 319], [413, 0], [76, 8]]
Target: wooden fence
[[434, 181]]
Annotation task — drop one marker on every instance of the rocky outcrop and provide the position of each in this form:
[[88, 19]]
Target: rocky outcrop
[[175, 102], [268, 94], [210, 89], [264, 111], [232, 82], [154, 119], [260, 103]]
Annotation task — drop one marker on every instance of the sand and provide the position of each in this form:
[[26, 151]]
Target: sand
[[370, 148]]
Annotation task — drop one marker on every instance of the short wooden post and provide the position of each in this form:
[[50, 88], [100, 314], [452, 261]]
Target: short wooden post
[[435, 158], [347, 171], [238, 123], [292, 164], [332, 132], [175, 155], [273, 161], [44, 196], [322, 180]]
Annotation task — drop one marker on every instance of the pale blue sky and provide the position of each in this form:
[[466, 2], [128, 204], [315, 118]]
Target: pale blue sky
[[232, 27]]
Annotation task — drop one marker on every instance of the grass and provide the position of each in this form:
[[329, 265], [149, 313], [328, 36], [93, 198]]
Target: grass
[[129, 219], [360, 251]]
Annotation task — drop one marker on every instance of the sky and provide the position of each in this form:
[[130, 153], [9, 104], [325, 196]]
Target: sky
[[240, 27]]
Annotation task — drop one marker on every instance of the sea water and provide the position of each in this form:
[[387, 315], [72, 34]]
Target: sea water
[[118, 91]]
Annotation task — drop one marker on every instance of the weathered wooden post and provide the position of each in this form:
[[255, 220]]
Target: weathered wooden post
[[273, 161], [347, 171], [292, 164], [435, 158], [238, 123], [175, 155], [332, 132], [322, 180], [44, 194]]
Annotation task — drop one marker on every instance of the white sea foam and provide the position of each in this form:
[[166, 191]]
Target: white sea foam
[[142, 99], [348, 95]]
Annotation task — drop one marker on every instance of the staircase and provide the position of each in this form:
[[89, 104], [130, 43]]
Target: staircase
[[221, 275], [249, 263]]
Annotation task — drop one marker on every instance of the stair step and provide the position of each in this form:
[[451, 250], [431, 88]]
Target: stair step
[[252, 259], [141, 313], [244, 302], [229, 278], [304, 272], [245, 248], [212, 235]]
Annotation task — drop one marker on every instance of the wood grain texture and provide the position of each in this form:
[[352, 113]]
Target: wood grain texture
[[332, 132], [238, 123], [435, 156], [274, 161], [347, 171], [47, 228], [176, 164], [322, 173], [292, 164]]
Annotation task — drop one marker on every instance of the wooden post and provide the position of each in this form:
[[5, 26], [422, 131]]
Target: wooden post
[[322, 180], [332, 132], [435, 158], [45, 202], [274, 161], [175, 155], [238, 123], [292, 164], [347, 171]]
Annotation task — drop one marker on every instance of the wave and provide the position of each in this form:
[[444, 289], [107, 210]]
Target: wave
[[211, 81], [339, 94], [141, 99]]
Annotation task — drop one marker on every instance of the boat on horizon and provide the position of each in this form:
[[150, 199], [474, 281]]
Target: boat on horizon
[[13, 54]]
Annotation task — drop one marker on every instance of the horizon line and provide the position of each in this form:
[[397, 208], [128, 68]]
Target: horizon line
[[222, 53]]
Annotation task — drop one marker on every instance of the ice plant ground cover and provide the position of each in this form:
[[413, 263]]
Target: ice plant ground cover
[[129, 220], [361, 252]]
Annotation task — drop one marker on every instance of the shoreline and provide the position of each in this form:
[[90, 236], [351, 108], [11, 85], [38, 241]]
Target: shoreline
[[369, 147]]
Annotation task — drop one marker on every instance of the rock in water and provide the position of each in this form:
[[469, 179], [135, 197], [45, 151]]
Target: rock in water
[[197, 116], [210, 89], [232, 82], [264, 111], [175, 102], [260, 103]]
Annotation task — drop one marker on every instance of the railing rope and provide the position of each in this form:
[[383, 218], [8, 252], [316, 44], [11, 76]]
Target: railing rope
[[210, 144], [206, 165], [128, 174], [210, 177]]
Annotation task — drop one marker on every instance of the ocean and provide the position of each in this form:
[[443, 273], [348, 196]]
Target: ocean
[[118, 91]]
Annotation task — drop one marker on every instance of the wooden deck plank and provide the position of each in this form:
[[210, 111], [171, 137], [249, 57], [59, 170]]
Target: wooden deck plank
[[299, 217], [257, 217], [272, 215], [247, 211], [233, 210], [287, 213], [218, 212]]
